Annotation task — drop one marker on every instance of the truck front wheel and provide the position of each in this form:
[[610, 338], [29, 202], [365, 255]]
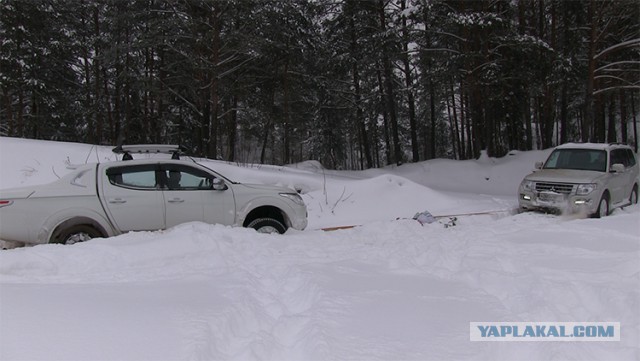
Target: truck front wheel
[[75, 234], [267, 225]]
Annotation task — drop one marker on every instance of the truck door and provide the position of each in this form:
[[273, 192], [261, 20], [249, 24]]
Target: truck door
[[132, 196], [190, 196]]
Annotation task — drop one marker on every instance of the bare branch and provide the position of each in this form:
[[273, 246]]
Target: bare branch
[[625, 44], [616, 88]]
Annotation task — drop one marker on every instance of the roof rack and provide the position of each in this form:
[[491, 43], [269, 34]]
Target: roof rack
[[126, 150]]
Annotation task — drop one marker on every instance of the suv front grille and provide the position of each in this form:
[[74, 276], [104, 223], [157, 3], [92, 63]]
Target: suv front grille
[[562, 188]]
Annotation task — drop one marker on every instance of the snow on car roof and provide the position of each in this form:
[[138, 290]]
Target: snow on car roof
[[597, 146]]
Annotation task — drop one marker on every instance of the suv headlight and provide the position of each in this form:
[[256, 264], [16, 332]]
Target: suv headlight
[[527, 185], [294, 197], [584, 189]]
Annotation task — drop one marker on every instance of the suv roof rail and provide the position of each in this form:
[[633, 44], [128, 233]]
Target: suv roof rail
[[617, 143], [126, 150]]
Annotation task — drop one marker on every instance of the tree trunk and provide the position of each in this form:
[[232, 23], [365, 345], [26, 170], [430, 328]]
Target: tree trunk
[[364, 141], [265, 142], [528, 120], [548, 118], [267, 129], [87, 79], [612, 134], [564, 121], [623, 117], [600, 130], [108, 107], [432, 111], [20, 124], [215, 22], [458, 133], [383, 102], [233, 128], [388, 85], [452, 128], [9, 111], [591, 66], [409, 85], [286, 116], [635, 123]]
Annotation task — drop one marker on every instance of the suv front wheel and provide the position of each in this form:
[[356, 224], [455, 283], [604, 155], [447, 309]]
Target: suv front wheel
[[633, 198], [603, 207]]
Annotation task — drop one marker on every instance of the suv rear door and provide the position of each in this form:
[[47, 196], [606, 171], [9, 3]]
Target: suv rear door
[[132, 196]]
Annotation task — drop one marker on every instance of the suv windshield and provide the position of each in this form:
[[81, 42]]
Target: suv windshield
[[582, 159]]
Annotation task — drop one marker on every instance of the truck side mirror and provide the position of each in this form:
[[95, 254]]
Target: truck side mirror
[[218, 184]]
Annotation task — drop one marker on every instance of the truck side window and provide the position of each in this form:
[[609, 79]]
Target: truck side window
[[185, 178], [134, 177]]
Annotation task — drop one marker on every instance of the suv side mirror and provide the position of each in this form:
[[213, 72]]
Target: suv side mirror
[[617, 168], [539, 165]]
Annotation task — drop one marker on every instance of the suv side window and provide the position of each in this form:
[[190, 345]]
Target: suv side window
[[618, 156], [141, 177], [631, 158], [180, 177]]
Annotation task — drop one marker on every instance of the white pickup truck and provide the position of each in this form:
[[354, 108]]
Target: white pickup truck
[[108, 199]]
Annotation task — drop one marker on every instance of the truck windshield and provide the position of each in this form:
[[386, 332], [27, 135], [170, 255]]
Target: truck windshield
[[581, 159]]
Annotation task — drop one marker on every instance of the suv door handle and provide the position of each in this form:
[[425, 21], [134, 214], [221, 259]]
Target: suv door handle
[[117, 201], [176, 200]]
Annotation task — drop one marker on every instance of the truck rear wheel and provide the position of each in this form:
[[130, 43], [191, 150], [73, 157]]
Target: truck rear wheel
[[75, 234]]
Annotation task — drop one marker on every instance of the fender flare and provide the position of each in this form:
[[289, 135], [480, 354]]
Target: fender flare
[[68, 218], [257, 203]]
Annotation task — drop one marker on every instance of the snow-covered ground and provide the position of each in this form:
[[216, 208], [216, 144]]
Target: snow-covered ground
[[389, 289]]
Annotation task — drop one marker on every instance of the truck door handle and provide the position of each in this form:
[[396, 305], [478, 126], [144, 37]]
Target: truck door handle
[[176, 200], [117, 201]]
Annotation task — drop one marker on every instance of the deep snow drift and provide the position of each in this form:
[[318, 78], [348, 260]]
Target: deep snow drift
[[389, 289]]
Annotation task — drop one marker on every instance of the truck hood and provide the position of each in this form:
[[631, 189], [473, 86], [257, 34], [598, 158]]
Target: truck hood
[[267, 187], [565, 176]]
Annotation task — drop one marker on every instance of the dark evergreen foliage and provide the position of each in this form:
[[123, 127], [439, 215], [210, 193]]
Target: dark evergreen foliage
[[353, 83]]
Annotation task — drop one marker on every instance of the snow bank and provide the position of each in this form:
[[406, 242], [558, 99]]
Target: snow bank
[[387, 290]]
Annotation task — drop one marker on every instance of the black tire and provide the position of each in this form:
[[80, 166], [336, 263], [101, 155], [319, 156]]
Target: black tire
[[75, 234], [267, 225], [633, 197], [603, 207]]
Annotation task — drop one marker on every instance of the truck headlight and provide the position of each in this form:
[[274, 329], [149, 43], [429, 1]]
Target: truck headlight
[[584, 189], [294, 197]]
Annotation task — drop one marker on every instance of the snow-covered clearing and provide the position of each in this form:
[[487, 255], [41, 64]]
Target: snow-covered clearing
[[389, 289]]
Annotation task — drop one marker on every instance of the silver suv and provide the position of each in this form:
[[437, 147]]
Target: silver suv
[[582, 177]]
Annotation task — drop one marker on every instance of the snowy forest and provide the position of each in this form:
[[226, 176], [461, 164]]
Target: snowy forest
[[353, 84]]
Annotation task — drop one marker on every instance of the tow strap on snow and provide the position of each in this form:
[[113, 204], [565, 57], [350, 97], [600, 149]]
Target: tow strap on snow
[[426, 217], [329, 229]]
